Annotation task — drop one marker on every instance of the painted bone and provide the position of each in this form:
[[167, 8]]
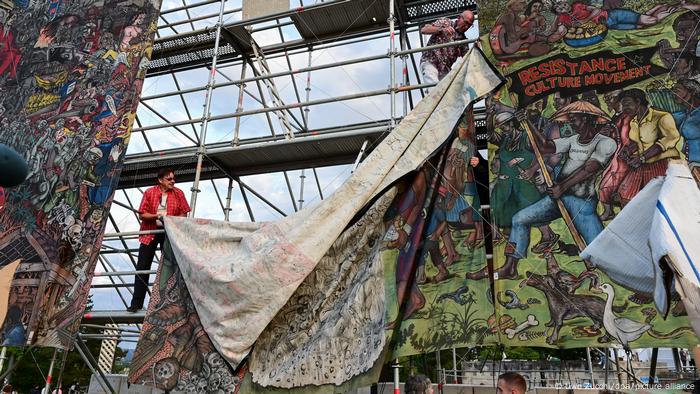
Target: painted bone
[[530, 322]]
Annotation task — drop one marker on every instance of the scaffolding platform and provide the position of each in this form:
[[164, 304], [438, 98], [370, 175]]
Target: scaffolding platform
[[325, 147], [418, 11], [342, 18], [256, 156]]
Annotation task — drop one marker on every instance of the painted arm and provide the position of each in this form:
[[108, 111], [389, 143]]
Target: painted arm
[[589, 169], [667, 139], [594, 12], [668, 134], [559, 30], [512, 27]]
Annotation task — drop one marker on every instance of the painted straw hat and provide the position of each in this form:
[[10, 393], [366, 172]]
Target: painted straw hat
[[503, 117], [581, 107]]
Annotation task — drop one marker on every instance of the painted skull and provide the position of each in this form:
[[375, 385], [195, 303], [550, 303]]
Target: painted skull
[[166, 373], [75, 233]]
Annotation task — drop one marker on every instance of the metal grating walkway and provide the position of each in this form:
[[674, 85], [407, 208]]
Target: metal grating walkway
[[425, 10]]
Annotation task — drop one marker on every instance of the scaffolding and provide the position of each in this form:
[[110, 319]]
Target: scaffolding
[[256, 82]]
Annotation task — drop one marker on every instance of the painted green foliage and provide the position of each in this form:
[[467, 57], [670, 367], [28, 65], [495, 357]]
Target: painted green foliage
[[436, 236]]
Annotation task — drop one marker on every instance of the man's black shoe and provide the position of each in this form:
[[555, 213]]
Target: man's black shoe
[[133, 309]]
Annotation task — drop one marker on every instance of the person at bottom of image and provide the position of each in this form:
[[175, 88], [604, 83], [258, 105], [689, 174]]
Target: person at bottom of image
[[418, 384], [511, 383]]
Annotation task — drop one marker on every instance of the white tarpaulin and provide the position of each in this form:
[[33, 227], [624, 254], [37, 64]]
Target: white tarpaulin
[[240, 284], [663, 220]]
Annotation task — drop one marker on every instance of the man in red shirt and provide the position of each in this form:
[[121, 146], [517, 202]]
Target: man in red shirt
[[161, 200]]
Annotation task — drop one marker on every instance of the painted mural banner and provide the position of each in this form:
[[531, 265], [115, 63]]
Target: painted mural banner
[[600, 96], [71, 74], [174, 352], [435, 237]]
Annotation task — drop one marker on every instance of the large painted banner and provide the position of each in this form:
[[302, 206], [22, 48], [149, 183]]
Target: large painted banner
[[71, 74], [435, 237], [600, 96]]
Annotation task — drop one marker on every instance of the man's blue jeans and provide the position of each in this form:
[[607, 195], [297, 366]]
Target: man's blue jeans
[[582, 211]]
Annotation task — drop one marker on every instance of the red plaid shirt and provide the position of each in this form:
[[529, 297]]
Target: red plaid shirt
[[176, 205]]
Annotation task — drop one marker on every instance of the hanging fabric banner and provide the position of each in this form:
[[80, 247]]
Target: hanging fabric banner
[[435, 237], [309, 290], [71, 75], [600, 96]]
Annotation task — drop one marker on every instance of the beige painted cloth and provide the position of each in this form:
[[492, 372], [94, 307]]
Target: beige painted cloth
[[241, 275]]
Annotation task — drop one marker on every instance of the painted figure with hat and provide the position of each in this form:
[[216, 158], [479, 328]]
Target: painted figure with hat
[[585, 155], [511, 191]]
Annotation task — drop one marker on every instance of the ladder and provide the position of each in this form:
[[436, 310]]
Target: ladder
[[272, 91]]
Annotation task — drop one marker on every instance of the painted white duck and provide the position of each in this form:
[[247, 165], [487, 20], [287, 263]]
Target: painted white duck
[[622, 328]]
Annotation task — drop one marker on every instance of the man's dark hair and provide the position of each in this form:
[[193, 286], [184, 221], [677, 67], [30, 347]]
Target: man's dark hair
[[528, 9], [591, 97], [417, 384], [636, 94], [514, 380], [163, 172], [689, 17]]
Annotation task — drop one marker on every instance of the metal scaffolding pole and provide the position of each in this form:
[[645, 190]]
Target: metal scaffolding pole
[[188, 6], [227, 210], [454, 365], [239, 107], [302, 178], [289, 189], [49, 376], [305, 115], [207, 109], [404, 71], [652, 366], [397, 384], [59, 381], [102, 327], [197, 18], [245, 200], [114, 284], [590, 364], [92, 363]]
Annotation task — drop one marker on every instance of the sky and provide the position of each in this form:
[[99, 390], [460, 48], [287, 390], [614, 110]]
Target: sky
[[332, 82]]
